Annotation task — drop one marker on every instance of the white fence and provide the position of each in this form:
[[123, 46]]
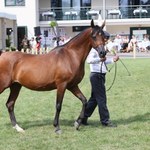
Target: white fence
[[34, 51]]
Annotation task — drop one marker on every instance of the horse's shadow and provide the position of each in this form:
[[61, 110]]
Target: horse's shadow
[[41, 123], [93, 123]]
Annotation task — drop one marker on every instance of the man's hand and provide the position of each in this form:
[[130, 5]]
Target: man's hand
[[116, 58]]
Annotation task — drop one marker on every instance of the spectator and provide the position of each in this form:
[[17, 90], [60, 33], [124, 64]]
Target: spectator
[[38, 43], [33, 44], [125, 42], [25, 43], [132, 43], [118, 42]]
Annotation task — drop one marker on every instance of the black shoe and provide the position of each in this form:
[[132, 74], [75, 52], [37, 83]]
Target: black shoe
[[84, 121], [109, 124]]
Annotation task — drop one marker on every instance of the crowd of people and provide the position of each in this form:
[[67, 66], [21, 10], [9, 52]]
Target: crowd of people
[[118, 43], [33, 43], [61, 40], [124, 44]]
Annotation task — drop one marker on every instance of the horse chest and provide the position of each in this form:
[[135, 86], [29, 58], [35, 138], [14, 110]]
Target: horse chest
[[78, 76]]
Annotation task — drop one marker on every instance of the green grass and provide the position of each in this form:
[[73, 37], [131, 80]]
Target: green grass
[[128, 102]]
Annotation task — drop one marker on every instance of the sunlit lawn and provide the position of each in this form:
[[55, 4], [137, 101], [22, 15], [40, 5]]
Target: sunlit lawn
[[128, 102]]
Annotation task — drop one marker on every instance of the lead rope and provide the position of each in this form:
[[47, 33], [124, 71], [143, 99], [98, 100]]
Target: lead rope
[[115, 64], [109, 71], [114, 76]]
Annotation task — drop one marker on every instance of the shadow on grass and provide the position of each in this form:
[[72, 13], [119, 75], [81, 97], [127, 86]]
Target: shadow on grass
[[138, 118], [92, 123], [40, 123]]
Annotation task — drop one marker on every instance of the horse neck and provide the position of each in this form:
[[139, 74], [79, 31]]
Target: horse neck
[[80, 45]]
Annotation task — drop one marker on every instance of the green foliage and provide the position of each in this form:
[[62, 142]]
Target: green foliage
[[10, 48], [128, 102], [53, 24], [13, 48], [8, 41]]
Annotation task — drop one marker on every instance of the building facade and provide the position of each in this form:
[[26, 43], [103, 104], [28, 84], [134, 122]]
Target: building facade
[[125, 17], [8, 30]]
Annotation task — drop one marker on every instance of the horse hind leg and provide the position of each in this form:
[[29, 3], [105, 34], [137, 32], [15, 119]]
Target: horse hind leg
[[14, 92]]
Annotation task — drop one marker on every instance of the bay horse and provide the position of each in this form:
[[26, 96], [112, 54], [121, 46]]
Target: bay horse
[[62, 68]]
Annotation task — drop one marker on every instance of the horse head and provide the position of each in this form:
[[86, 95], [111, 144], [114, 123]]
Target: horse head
[[99, 37]]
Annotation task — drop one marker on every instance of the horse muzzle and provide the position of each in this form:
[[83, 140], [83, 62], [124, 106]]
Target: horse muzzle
[[101, 51]]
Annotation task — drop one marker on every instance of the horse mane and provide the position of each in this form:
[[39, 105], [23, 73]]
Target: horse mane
[[78, 36], [75, 37], [80, 33], [94, 31], [72, 39]]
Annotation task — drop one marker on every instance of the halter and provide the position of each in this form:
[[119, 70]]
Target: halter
[[98, 48], [98, 30]]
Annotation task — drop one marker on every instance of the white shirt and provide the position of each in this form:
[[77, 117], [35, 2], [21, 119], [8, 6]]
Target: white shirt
[[95, 64]]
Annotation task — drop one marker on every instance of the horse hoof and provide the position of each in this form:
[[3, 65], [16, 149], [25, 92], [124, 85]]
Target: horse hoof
[[76, 124], [58, 131], [19, 129]]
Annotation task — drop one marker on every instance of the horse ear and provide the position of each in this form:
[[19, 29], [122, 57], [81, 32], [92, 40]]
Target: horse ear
[[103, 25], [92, 23]]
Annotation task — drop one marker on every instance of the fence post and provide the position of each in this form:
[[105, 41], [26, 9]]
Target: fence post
[[134, 50], [32, 51], [47, 50], [22, 50], [27, 51]]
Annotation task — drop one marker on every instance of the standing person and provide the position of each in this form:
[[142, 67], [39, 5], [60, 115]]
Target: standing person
[[25, 43], [38, 43], [33, 44], [98, 97]]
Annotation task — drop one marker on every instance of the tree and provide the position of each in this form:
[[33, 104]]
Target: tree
[[54, 26]]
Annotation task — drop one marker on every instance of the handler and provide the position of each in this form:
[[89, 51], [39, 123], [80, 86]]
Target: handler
[[98, 97]]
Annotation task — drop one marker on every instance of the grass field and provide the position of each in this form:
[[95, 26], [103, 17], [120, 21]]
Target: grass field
[[128, 102]]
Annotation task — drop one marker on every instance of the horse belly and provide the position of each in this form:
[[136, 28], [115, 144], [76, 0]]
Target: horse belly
[[5, 74], [35, 79], [35, 84]]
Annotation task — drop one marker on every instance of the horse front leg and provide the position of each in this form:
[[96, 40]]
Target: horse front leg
[[77, 92], [59, 100], [14, 92]]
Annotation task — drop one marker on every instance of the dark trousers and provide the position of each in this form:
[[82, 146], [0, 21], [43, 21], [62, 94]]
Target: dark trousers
[[98, 97]]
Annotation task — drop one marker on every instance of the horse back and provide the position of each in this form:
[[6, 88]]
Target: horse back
[[41, 72]]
